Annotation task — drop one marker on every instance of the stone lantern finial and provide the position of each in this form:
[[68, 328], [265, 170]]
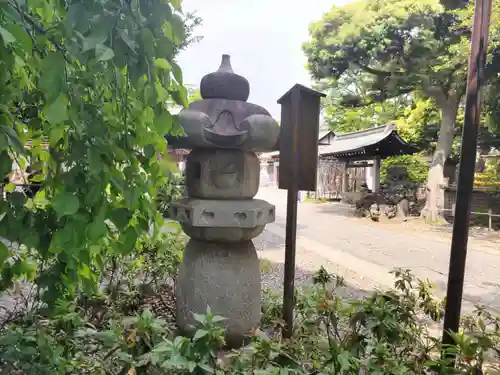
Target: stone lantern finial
[[225, 64], [225, 83]]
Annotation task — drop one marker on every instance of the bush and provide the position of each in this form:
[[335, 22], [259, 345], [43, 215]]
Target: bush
[[385, 333], [488, 180], [417, 169], [171, 191], [100, 333]]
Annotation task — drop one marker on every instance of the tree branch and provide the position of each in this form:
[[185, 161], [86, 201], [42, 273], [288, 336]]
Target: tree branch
[[27, 18], [377, 72], [436, 92], [357, 102]]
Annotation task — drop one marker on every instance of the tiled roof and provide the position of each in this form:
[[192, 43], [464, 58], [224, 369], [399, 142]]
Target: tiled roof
[[381, 139]]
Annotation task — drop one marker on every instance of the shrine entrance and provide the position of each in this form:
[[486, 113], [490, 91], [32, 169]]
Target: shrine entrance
[[362, 152]]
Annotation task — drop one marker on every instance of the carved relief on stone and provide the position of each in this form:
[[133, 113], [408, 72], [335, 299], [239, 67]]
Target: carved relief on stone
[[223, 118], [222, 174]]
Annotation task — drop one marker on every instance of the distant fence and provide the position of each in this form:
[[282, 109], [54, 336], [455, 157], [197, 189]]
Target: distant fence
[[330, 173], [485, 208]]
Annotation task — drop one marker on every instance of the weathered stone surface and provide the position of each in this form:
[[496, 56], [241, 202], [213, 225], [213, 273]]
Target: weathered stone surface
[[227, 124], [221, 213], [220, 267], [225, 277], [224, 83], [222, 174], [224, 119], [222, 234]]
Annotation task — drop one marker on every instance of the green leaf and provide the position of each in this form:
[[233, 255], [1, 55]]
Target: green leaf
[[53, 78], [163, 122], [127, 39], [147, 41], [191, 366], [17, 199], [4, 141], [13, 139], [9, 188], [65, 204], [57, 112], [199, 318], [96, 229], [55, 134], [200, 334], [103, 53], [218, 318], [5, 164], [178, 30], [7, 37], [161, 93], [120, 217], [180, 96], [85, 272], [128, 240], [94, 39], [168, 31], [176, 70], [165, 46], [21, 37], [177, 4], [163, 64], [205, 367], [4, 253], [149, 151]]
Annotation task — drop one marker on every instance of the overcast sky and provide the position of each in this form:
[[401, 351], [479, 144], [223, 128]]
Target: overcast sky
[[264, 39]]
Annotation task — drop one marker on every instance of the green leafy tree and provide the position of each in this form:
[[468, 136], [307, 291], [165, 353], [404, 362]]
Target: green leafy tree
[[401, 46], [191, 22], [194, 95], [91, 78], [491, 131]]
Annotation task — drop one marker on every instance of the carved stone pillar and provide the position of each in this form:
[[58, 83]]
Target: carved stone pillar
[[220, 267]]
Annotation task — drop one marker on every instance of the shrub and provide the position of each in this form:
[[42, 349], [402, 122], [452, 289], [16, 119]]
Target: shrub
[[384, 333], [488, 180], [417, 168], [170, 191]]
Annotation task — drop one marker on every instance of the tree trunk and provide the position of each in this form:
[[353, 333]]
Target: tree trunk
[[434, 205]]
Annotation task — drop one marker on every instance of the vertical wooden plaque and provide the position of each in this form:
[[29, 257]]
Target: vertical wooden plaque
[[300, 109]]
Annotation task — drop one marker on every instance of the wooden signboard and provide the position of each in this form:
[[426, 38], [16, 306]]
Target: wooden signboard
[[300, 108], [298, 166]]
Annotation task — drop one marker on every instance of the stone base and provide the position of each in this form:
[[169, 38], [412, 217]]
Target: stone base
[[223, 234], [225, 277], [207, 213]]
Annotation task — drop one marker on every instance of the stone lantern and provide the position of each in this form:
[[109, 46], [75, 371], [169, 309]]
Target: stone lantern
[[220, 267]]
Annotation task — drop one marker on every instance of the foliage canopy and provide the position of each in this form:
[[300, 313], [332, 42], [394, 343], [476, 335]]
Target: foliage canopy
[[86, 84]]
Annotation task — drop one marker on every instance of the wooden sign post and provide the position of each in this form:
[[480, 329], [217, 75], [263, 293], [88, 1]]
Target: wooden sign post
[[460, 236], [300, 108]]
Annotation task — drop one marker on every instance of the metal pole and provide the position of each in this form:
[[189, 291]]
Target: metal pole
[[458, 254]]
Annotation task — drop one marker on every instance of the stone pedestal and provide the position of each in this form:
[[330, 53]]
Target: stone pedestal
[[220, 267], [225, 277]]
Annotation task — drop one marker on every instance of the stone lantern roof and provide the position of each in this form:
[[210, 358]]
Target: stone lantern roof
[[224, 119]]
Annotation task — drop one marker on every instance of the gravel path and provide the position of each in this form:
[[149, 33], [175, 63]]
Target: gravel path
[[271, 250], [364, 252]]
